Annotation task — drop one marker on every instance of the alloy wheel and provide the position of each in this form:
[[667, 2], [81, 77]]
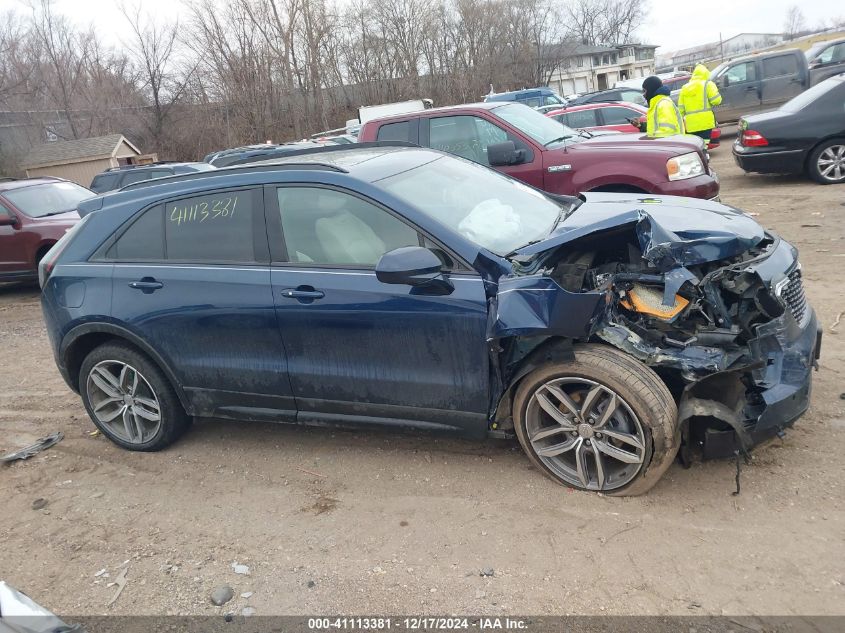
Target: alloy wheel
[[831, 163], [585, 433], [123, 401]]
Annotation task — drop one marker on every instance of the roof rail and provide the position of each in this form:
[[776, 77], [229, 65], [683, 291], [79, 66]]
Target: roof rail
[[320, 150], [272, 164]]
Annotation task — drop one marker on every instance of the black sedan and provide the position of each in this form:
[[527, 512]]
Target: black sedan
[[806, 135]]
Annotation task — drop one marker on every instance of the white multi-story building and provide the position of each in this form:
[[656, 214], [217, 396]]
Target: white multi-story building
[[587, 68], [686, 58]]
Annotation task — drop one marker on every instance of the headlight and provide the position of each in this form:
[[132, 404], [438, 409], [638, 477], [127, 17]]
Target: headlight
[[684, 166]]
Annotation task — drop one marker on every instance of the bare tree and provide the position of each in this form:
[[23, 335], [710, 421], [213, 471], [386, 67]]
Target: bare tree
[[153, 49], [794, 25], [605, 21]]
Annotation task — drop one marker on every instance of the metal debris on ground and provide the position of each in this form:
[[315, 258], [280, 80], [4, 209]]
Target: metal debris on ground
[[28, 451], [836, 321], [120, 581], [20, 613]]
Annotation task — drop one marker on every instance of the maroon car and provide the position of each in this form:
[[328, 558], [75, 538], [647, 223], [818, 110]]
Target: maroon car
[[34, 214], [542, 152]]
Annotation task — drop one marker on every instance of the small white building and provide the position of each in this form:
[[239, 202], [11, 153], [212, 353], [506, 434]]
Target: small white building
[[687, 58]]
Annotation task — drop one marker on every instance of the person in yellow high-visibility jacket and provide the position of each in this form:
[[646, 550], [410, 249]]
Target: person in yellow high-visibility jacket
[[696, 102], [663, 118]]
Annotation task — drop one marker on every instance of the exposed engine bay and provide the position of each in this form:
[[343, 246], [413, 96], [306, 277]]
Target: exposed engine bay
[[720, 315]]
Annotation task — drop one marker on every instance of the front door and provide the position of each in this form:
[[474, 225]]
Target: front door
[[192, 278], [468, 136], [360, 350], [739, 86]]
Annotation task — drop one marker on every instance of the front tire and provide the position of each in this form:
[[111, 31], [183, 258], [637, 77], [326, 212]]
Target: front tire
[[602, 422], [826, 164], [129, 399]]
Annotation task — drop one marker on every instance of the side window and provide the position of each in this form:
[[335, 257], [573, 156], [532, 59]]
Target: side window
[[217, 227], [324, 226], [780, 66], [632, 96], [465, 136], [618, 116], [135, 175], [105, 182], [835, 53], [740, 73], [581, 119], [533, 102], [143, 240], [395, 132]]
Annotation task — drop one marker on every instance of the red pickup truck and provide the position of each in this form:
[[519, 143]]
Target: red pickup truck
[[542, 152]]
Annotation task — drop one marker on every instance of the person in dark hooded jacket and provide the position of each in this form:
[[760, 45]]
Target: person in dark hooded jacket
[[663, 118]]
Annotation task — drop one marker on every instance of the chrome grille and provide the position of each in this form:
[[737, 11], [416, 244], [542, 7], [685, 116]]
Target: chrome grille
[[793, 296]]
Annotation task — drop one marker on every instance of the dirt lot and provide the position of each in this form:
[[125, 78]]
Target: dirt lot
[[342, 522]]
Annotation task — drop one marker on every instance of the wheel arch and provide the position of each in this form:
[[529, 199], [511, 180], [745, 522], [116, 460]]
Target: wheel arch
[[553, 348], [815, 146], [81, 340]]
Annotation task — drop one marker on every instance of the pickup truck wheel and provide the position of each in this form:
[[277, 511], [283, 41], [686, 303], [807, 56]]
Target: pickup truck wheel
[[602, 422], [129, 398], [826, 163]]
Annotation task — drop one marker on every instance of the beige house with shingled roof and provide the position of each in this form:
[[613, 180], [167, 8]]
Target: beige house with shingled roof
[[79, 160]]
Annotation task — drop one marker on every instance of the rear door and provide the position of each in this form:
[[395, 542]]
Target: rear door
[[780, 81], [468, 135], [192, 277], [739, 86], [361, 350]]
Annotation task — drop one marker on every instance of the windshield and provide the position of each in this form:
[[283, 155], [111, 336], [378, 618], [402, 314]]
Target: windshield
[[39, 201], [486, 207], [811, 95], [542, 129]]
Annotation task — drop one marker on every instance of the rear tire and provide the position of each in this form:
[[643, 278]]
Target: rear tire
[[129, 398], [826, 163], [602, 422]]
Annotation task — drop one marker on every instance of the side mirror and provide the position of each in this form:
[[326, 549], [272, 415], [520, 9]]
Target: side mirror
[[725, 81], [7, 220], [503, 154], [409, 265]]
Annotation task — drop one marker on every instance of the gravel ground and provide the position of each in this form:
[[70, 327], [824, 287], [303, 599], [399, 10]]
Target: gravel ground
[[355, 523]]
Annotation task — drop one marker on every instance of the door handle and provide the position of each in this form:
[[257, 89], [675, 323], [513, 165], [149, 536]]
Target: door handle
[[750, 88], [146, 285], [303, 292]]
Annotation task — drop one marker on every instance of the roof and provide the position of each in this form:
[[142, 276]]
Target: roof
[[597, 104], [75, 151]]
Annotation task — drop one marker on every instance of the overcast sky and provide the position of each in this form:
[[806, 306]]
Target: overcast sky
[[672, 24]]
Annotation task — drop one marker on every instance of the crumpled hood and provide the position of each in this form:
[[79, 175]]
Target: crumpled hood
[[701, 73], [672, 231]]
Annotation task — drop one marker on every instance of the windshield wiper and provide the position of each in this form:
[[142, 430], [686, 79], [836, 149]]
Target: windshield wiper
[[558, 139]]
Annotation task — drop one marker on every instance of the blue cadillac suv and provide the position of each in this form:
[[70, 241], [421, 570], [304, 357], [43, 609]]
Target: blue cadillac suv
[[399, 286]]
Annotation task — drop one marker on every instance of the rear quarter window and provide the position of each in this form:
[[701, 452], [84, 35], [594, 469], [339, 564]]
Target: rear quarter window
[[105, 182]]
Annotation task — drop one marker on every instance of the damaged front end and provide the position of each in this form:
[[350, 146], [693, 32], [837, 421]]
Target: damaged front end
[[695, 290]]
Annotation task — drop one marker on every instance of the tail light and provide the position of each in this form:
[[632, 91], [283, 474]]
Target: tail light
[[48, 262], [753, 138]]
